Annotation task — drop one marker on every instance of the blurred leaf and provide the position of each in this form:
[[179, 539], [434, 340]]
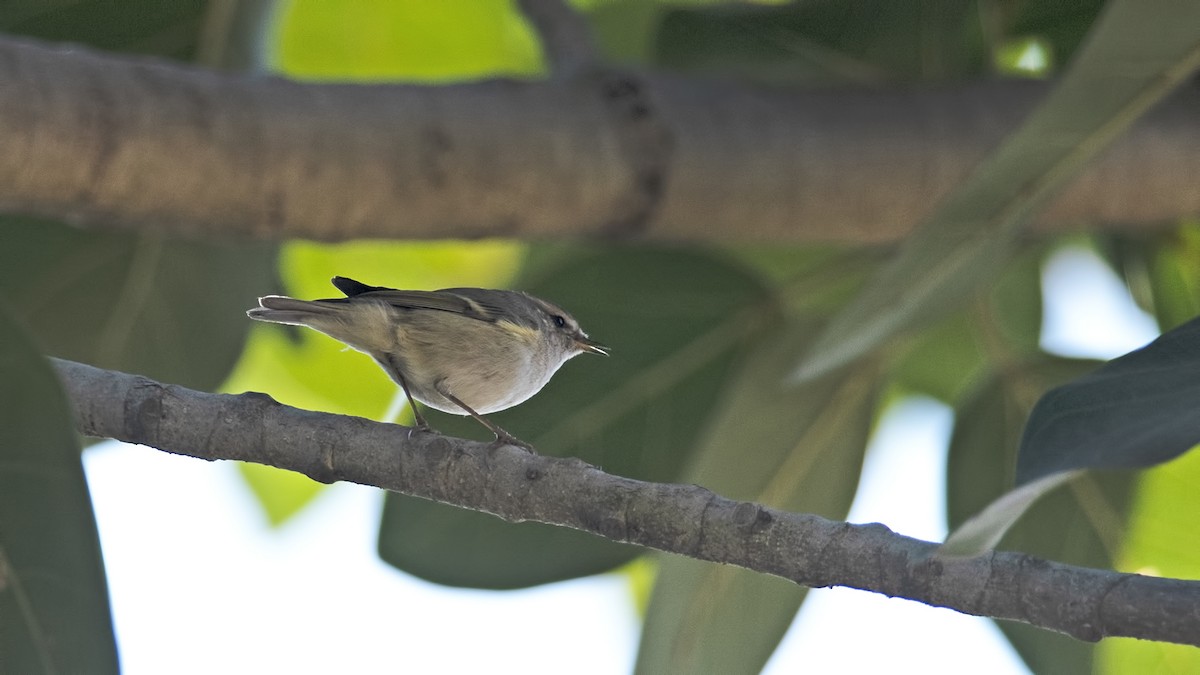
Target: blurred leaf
[[162, 27], [170, 310], [1175, 277], [1162, 541], [1136, 55], [1135, 411], [1082, 524], [1016, 304], [1062, 25], [944, 361], [306, 369], [310, 371], [1030, 57], [625, 29], [54, 615], [307, 267], [868, 41], [781, 264], [281, 494], [1128, 258], [640, 573], [674, 321], [811, 282], [405, 39], [235, 34], [798, 449]]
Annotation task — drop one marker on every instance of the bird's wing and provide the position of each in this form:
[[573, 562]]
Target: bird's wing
[[470, 302]]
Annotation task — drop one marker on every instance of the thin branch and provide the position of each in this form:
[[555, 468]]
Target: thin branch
[[520, 486], [565, 36], [99, 139]]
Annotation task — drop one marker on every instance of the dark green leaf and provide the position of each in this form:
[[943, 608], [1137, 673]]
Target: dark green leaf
[[1135, 411], [54, 615], [944, 361], [812, 282], [863, 41], [162, 27], [170, 310], [674, 321], [1016, 304], [1063, 25]]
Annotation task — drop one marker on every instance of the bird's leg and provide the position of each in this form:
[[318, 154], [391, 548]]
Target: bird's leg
[[417, 416], [502, 436]]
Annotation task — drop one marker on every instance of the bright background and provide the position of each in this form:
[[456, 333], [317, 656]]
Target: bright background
[[201, 584]]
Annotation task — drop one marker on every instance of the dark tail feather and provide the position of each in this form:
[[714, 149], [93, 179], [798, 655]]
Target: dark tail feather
[[352, 288]]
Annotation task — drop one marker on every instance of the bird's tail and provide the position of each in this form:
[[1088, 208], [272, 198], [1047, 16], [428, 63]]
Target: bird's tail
[[282, 309]]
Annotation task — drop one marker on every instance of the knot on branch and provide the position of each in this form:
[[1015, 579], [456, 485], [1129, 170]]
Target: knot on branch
[[647, 144]]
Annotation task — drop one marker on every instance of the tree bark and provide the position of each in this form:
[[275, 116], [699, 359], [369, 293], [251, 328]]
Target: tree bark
[[518, 485], [103, 140]]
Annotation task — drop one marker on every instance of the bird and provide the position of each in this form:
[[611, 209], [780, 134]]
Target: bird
[[465, 351]]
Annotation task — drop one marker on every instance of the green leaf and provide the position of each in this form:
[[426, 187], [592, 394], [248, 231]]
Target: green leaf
[[1082, 524], [1135, 411], [867, 41], [162, 27], [674, 321], [1137, 54], [281, 494], [54, 615], [409, 39], [945, 361], [1016, 305], [1162, 540], [625, 29], [170, 310], [1175, 277], [798, 449], [1024, 57]]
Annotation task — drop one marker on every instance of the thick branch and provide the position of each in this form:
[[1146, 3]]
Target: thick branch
[[100, 139], [520, 486]]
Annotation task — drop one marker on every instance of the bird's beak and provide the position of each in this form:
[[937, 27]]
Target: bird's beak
[[586, 344]]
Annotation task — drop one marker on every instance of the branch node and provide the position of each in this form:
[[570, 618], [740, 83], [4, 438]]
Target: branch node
[[647, 143]]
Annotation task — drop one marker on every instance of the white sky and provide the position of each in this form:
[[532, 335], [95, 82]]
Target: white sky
[[200, 584]]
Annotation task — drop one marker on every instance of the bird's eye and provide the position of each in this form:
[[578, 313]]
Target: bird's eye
[[559, 321]]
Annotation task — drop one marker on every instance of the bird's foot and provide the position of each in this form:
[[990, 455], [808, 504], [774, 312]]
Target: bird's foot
[[505, 438]]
